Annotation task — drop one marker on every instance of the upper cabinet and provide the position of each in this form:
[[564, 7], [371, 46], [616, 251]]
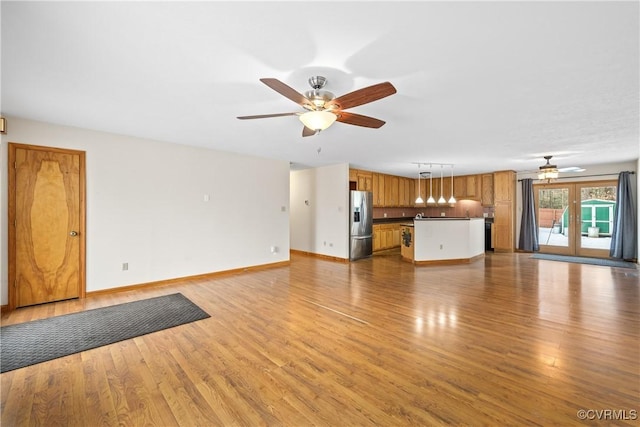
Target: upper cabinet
[[391, 191], [363, 179], [487, 189], [395, 191], [378, 189], [466, 187], [472, 187], [459, 186], [504, 186]]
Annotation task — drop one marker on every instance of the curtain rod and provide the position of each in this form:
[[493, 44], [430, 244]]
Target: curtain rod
[[583, 176]]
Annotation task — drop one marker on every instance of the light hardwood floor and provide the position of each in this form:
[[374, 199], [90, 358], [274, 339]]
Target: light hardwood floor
[[506, 340]]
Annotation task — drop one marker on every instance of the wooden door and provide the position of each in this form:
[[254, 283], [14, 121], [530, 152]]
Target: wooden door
[[47, 224]]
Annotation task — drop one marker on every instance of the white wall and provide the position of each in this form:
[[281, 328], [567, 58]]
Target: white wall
[[447, 239], [145, 206], [613, 169], [319, 210]]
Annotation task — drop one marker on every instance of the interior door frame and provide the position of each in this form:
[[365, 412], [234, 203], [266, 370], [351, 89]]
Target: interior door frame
[[11, 170], [575, 218]]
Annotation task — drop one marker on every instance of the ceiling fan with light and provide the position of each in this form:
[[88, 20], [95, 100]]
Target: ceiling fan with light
[[549, 171], [323, 108]]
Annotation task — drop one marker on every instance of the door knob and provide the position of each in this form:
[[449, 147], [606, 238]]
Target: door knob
[[73, 233]]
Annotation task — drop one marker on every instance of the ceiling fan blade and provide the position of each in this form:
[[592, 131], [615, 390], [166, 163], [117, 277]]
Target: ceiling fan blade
[[266, 116], [364, 96], [286, 91], [308, 132], [358, 120]]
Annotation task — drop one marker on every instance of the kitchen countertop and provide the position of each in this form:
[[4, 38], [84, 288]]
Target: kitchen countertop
[[391, 220], [439, 218]]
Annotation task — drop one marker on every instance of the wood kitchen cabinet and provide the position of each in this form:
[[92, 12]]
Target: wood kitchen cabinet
[[504, 211], [472, 187], [395, 191], [407, 194], [403, 192], [487, 189], [365, 181], [466, 187], [391, 191], [386, 236], [460, 187], [377, 241], [412, 192], [378, 189]]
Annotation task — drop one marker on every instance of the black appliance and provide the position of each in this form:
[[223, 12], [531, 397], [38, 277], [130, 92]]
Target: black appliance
[[487, 234]]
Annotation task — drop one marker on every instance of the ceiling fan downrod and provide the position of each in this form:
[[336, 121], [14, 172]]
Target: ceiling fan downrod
[[318, 97]]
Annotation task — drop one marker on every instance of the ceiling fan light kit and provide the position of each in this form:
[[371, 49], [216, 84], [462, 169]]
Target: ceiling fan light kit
[[548, 171], [318, 120], [323, 108]]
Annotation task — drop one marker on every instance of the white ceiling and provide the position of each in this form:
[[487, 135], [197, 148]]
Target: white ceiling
[[483, 85]]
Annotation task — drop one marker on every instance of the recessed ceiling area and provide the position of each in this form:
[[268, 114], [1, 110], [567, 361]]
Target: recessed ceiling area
[[482, 85]]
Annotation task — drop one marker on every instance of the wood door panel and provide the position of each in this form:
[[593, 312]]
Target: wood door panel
[[48, 219]]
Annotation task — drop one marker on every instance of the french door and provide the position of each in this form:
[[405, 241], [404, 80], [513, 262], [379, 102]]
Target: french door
[[575, 218]]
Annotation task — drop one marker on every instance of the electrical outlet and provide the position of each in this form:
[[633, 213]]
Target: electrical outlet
[[125, 266], [441, 246]]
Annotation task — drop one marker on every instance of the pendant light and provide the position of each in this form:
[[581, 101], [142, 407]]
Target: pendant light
[[419, 200], [441, 200], [452, 200], [431, 200]]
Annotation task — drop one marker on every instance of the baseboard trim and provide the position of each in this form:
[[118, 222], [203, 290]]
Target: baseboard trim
[[5, 308], [182, 279], [311, 254]]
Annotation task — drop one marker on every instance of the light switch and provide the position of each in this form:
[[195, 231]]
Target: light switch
[[206, 198]]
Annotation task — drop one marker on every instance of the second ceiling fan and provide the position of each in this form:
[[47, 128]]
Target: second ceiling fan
[[323, 108]]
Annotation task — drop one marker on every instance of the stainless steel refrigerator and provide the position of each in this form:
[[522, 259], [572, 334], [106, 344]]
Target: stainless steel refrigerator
[[361, 224]]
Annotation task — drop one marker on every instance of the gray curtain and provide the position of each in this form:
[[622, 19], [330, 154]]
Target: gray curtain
[[528, 225], [624, 243]]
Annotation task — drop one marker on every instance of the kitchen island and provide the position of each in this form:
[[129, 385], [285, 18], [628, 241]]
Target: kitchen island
[[443, 240]]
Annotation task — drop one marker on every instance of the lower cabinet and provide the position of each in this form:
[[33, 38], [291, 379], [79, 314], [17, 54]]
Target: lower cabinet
[[386, 236]]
